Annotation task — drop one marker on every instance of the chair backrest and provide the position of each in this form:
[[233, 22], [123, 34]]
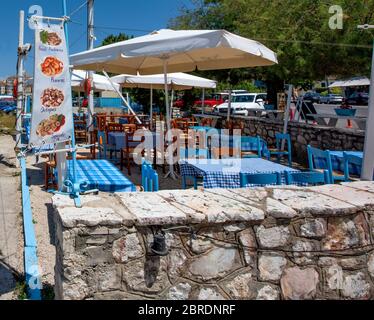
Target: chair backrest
[[307, 178], [280, 137], [207, 122], [150, 180], [260, 179], [350, 159], [129, 128], [102, 142], [324, 161], [251, 144]]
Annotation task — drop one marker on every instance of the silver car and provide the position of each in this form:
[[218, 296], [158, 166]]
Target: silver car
[[331, 99]]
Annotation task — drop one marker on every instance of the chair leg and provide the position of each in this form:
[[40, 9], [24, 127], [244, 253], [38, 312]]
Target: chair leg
[[195, 183]]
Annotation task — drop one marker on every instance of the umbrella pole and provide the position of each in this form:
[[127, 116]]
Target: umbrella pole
[[203, 102], [151, 107], [171, 173], [229, 106]]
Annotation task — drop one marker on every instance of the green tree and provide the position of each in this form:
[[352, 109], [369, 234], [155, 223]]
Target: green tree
[[298, 31]]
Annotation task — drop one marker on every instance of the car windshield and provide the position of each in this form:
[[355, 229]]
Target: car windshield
[[246, 98]]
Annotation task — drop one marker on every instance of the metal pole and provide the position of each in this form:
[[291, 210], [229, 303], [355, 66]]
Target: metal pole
[[90, 46], [20, 76], [121, 96], [287, 113], [203, 102], [151, 107], [229, 106], [168, 122], [368, 163]]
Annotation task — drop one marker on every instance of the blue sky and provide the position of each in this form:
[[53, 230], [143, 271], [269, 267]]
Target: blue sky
[[134, 17]]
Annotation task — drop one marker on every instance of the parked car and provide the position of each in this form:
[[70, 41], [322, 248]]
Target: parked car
[[210, 102], [358, 99], [242, 102], [312, 97], [331, 99]]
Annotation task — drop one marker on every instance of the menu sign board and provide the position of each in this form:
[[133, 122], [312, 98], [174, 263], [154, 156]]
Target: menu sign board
[[52, 117]]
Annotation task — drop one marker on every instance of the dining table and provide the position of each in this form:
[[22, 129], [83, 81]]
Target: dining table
[[101, 175], [225, 173]]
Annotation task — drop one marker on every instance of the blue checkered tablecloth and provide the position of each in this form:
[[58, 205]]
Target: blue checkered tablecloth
[[225, 173], [101, 175], [337, 160]]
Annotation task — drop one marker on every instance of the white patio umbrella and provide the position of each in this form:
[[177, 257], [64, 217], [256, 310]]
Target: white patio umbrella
[[354, 82], [100, 83], [166, 51], [176, 81]]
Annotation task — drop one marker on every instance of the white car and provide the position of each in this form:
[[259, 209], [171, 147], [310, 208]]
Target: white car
[[242, 102]]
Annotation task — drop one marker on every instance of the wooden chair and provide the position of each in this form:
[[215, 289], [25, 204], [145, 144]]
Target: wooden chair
[[278, 152], [225, 153], [102, 144], [49, 174], [321, 160], [348, 160], [80, 130], [206, 122], [307, 178], [112, 127], [250, 147], [260, 180], [128, 153], [150, 181]]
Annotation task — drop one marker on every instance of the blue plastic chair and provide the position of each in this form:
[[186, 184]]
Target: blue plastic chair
[[279, 137], [350, 159], [307, 178], [150, 180], [260, 179], [193, 154], [251, 147], [323, 158], [102, 144]]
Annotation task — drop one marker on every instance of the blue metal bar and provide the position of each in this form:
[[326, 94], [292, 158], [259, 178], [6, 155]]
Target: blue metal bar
[[32, 275], [75, 184]]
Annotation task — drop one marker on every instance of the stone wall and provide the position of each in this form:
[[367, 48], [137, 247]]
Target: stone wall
[[303, 134], [278, 243]]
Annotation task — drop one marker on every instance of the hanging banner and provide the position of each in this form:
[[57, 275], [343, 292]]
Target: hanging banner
[[52, 115]]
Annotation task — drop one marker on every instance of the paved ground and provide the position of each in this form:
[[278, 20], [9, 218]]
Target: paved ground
[[329, 109], [11, 258]]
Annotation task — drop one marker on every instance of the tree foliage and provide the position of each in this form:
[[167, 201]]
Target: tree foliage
[[298, 31]]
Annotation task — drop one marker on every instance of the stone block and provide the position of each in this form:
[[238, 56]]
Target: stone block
[[148, 275], [314, 228], [278, 210], [353, 196], [97, 255], [181, 291], [209, 294], [216, 264], [345, 233], [273, 237], [313, 203], [90, 217], [127, 248], [247, 239], [356, 287], [299, 284], [271, 266]]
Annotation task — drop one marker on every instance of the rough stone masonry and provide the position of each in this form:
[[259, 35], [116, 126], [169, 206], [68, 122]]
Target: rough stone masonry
[[286, 243]]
